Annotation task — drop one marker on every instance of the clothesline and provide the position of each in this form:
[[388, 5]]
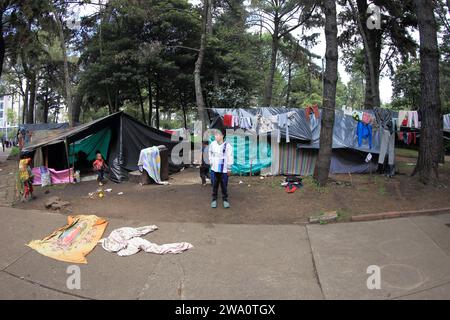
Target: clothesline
[[288, 108]]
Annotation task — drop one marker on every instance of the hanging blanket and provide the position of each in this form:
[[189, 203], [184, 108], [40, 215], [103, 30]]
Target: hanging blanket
[[127, 241], [150, 161], [73, 242]]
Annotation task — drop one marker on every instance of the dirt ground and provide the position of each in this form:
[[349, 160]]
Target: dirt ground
[[254, 200]]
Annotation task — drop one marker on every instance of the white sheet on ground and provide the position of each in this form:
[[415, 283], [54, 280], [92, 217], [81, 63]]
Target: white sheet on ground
[[127, 241]]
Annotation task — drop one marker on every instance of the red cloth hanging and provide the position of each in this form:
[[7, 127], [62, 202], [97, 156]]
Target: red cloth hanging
[[228, 120]]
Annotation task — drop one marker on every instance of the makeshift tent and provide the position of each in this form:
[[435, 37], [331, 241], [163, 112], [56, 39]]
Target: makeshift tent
[[127, 137], [35, 133], [299, 156]]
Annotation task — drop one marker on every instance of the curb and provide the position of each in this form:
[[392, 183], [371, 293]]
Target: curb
[[399, 214]]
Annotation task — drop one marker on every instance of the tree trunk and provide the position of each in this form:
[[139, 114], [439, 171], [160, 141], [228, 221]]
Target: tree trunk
[[273, 66], [141, 102], [2, 45], [158, 96], [289, 85], [183, 105], [150, 103], [45, 108], [329, 93], [76, 108], [32, 100], [430, 103], [369, 40], [201, 109], [25, 101], [66, 68]]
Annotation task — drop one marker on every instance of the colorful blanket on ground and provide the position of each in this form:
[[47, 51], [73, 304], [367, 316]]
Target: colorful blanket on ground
[[150, 161], [73, 242]]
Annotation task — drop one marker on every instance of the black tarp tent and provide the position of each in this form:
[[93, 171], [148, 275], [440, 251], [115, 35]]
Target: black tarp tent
[[128, 138]]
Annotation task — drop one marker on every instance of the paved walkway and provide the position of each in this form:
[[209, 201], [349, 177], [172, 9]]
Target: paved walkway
[[238, 261], [7, 181]]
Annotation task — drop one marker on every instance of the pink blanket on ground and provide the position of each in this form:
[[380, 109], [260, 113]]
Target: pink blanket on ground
[[58, 177]]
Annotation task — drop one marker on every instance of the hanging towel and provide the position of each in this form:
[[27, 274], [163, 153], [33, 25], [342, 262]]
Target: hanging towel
[[228, 120], [127, 241]]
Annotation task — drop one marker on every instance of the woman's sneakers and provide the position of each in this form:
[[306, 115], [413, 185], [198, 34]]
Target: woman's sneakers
[[214, 204]]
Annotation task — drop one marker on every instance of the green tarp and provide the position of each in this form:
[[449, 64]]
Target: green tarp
[[90, 145], [246, 158]]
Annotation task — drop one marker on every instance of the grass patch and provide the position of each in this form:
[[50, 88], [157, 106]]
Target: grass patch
[[309, 181], [14, 152], [407, 153]]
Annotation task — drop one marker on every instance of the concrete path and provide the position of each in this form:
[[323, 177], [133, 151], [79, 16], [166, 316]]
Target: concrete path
[[238, 261], [7, 181]]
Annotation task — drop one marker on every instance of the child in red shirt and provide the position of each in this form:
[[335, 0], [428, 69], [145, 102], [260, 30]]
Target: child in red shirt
[[99, 167]]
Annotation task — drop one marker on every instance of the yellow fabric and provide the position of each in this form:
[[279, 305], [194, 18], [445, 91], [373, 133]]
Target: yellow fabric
[[23, 170], [73, 242]]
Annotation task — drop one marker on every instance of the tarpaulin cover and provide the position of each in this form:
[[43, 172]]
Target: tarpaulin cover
[[247, 157], [299, 129], [308, 133], [90, 145], [350, 161], [344, 135]]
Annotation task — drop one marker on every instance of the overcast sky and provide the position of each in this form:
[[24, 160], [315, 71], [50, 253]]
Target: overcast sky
[[319, 49]]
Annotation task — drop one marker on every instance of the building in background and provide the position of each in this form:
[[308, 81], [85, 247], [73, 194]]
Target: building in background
[[9, 114]]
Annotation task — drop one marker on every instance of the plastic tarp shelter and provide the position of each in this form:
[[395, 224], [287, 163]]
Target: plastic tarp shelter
[[128, 138], [307, 133], [299, 130]]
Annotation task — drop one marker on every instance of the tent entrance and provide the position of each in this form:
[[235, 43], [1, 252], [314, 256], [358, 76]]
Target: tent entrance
[[82, 153]]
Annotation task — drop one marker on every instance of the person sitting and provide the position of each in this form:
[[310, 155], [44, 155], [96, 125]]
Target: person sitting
[[100, 167]]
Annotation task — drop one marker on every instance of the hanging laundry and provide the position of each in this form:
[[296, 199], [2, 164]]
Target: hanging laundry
[[364, 131], [403, 118], [413, 119], [236, 122], [246, 123], [265, 125], [357, 115], [367, 118], [309, 110], [228, 120], [73, 242], [283, 123], [127, 241], [384, 119]]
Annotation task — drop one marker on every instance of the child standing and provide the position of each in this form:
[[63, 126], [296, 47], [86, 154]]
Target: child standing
[[100, 167], [221, 160]]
